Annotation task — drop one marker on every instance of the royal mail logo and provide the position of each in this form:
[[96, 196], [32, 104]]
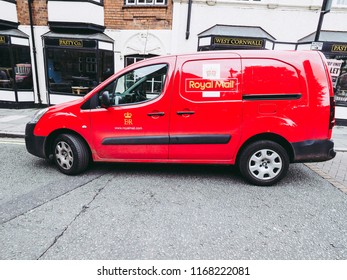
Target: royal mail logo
[[128, 118], [211, 85], [128, 115]]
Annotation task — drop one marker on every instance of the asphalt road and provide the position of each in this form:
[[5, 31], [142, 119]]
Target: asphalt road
[[153, 211]]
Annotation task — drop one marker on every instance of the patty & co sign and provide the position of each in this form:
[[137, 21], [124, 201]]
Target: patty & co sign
[[339, 48], [70, 43]]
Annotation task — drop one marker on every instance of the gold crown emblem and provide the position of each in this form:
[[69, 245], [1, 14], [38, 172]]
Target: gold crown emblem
[[128, 115]]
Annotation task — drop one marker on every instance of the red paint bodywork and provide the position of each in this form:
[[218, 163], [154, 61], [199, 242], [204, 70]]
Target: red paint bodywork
[[239, 105]]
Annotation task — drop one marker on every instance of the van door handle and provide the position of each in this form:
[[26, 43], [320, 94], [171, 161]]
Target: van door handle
[[185, 112], [156, 114]]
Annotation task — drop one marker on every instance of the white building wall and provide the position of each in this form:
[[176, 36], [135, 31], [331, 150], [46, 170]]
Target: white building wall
[[286, 20], [81, 12], [8, 11], [128, 42]]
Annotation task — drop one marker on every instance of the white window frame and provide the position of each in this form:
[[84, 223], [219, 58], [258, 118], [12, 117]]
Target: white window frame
[[341, 3], [145, 2]]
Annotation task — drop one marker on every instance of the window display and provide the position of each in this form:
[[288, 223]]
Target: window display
[[338, 69], [15, 68], [76, 66]]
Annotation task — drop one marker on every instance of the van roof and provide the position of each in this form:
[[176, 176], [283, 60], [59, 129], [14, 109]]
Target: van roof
[[279, 54]]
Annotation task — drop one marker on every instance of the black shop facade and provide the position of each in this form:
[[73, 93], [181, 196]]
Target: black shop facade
[[228, 37], [76, 63], [333, 44]]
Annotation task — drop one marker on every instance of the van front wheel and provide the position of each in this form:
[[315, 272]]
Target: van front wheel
[[264, 163], [70, 154]]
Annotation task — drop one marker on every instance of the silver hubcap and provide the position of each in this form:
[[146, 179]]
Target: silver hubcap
[[64, 155], [265, 164]]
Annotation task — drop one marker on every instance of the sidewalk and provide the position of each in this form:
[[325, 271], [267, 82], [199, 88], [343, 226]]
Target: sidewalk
[[13, 121]]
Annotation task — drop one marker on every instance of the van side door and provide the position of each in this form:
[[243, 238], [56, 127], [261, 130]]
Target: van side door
[[206, 110], [135, 125]]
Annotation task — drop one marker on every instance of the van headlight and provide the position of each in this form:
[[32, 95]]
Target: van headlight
[[38, 115]]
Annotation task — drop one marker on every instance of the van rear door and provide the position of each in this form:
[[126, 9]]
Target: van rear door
[[206, 109]]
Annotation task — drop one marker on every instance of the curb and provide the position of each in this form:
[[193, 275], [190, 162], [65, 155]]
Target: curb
[[12, 135], [341, 122], [337, 184]]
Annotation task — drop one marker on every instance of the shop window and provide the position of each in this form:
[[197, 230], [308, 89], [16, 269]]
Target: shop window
[[106, 65], [339, 77], [23, 70], [72, 71], [6, 72], [19, 73], [139, 85]]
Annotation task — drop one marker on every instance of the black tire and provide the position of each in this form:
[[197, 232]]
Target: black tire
[[70, 154], [263, 163]]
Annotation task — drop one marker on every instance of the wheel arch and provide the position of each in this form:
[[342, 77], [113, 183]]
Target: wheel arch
[[54, 134], [270, 137]]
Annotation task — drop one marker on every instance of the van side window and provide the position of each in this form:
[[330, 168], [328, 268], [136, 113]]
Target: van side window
[[269, 76], [139, 85]]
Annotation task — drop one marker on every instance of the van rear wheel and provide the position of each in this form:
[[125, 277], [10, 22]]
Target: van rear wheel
[[264, 163], [70, 154]]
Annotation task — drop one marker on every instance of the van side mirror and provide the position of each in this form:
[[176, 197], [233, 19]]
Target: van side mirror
[[105, 99]]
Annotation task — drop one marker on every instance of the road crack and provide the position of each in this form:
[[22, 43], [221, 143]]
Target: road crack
[[18, 207], [82, 211]]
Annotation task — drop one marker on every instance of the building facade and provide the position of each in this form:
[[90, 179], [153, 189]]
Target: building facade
[[265, 24], [53, 51]]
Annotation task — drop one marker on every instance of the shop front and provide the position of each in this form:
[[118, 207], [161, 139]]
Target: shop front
[[228, 37], [76, 63], [334, 46], [336, 54], [16, 80]]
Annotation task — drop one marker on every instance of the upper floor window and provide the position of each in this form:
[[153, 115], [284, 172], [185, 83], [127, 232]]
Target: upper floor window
[[145, 2], [341, 2]]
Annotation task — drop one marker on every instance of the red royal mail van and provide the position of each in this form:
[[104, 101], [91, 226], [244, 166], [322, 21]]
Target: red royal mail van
[[260, 110]]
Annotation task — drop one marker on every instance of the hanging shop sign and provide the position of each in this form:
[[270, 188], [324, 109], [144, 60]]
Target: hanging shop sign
[[238, 42], [334, 48], [339, 48], [70, 43]]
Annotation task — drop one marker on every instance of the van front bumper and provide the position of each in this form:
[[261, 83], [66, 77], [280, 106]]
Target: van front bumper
[[35, 144], [313, 151]]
